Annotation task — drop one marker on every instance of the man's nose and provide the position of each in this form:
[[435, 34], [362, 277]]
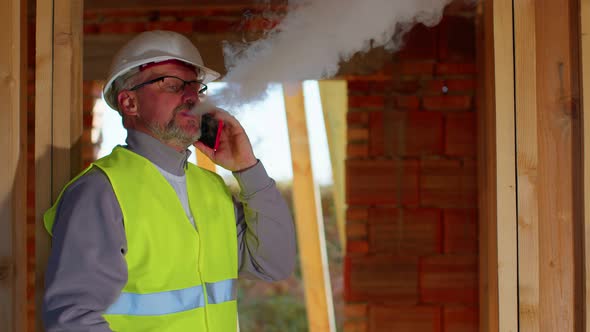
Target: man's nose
[[189, 95]]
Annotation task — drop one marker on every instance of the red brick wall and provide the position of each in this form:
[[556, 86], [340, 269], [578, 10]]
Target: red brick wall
[[411, 260]]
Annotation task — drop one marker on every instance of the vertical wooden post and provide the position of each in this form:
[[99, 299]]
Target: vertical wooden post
[[585, 107], [310, 227], [58, 114], [546, 147], [527, 164], [497, 182], [204, 161], [13, 156], [334, 106]]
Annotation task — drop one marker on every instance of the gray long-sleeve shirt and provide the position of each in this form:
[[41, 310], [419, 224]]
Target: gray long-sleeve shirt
[[87, 270]]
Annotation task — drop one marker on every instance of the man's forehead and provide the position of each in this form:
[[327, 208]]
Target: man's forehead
[[170, 69], [166, 62]]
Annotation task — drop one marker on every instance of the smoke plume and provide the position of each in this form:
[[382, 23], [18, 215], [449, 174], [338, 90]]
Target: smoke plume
[[315, 36]]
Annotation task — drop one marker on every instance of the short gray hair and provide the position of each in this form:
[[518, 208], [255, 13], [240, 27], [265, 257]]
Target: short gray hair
[[122, 83]]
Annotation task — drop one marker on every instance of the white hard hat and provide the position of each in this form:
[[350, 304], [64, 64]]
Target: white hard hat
[[153, 46]]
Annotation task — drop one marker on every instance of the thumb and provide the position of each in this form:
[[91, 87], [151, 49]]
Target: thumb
[[205, 149]]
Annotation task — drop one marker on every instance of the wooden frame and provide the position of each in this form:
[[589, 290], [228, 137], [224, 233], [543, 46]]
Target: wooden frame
[[308, 217], [334, 97], [58, 114], [13, 167], [585, 107], [497, 181], [530, 108]]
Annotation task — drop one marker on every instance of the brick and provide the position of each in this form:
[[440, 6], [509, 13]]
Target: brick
[[357, 134], [88, 104], [460, 134], [87, 121], [364, 86], [122, 27], [456, 39], [456, 69], [356, 230], [357, 118], [411, 133], [357, 150], [358, 86], [366, 101], [406, 87], [213, 25], [412, 318], [91, 28], [355, 311], [381, 182], [178, 26], [461, 319], [447, 183], [460, 231], [406, 102], [423, 133], [454, 86], [419, 44], [355, 326], [449, 279], [357, 247], [405, 231], [377, 134], [357, 214], [448, 103], [407, 68], [382, 278], [259, 24]]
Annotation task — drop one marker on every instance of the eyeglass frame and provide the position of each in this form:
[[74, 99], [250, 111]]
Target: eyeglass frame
[[201, 92]]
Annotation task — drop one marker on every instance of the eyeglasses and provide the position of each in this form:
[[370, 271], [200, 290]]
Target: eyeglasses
[[175, 84]]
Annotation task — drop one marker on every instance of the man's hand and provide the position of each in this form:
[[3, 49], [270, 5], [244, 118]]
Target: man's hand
[[235, 151]]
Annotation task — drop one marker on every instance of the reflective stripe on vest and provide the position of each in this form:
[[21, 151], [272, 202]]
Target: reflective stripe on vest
[[163, 303]]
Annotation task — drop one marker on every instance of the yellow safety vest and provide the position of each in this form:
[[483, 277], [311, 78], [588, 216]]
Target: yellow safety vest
[[179, 279]]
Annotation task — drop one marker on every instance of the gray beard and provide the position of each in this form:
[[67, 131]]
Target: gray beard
[[172, 134]]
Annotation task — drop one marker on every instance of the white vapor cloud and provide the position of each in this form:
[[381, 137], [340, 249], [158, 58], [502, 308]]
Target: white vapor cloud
[[315, 36]]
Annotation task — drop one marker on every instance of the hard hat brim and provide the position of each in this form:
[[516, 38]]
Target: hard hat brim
[[210, 75]]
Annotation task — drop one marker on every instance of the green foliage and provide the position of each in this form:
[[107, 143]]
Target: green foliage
[[279, 313]]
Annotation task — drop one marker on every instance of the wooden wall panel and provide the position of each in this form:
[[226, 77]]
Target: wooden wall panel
[[496, 160], [546, 147], [585, 108], [527, 164], [13, 151], [58, 114]]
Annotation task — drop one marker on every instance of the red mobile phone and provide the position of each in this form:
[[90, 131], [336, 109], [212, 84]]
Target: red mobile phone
[[210, 131]]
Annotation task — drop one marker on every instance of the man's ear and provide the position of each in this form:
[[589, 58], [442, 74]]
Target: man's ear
[[127, 102]]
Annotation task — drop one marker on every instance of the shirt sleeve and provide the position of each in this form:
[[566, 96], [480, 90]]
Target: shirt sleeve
[[86, 269], [266, 234]]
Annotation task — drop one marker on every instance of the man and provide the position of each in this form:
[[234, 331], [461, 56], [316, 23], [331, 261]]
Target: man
[[143, 240]]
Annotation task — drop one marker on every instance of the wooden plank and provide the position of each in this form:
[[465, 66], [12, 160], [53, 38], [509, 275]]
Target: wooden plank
[[13, 143], [43, 150], [585, 64], [333, 95], [555, 112], [504, 203], [527, 165], [58, 119], [204, 162], [67, 91], [486, 161], [308, 218]]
